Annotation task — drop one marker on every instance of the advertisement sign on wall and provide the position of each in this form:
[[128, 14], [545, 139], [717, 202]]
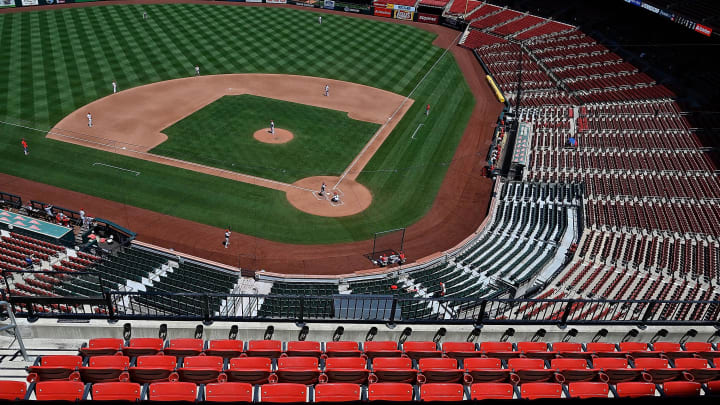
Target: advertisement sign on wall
[[404, 15], [329, 4], [26, 3], [276, 1], [707, 31], [428, 18], [383, 12], [7, 3]]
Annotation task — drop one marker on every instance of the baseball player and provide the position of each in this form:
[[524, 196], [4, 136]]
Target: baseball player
[[89, 117], [197, 70], [319, 19], [327, 90], [322, 189], [144, 15], [335, 198], [227, 238], [272, 127], [25, 148], [114, 87], [427, 110]]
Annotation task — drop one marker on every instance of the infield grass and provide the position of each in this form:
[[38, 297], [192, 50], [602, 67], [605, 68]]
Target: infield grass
[[221, 135], [57, 61]]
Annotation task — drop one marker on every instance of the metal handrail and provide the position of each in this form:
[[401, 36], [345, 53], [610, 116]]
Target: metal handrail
[[13, 325]]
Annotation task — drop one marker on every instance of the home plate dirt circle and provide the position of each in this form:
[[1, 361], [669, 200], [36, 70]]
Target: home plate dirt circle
[[354, 197], [280, 136]]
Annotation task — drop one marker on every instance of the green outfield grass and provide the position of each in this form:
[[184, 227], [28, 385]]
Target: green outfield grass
[[57, 61], [221, 135]]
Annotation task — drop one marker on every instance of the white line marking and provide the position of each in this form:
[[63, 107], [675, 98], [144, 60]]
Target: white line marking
[[416, 129], [352, 164], [115, 167]]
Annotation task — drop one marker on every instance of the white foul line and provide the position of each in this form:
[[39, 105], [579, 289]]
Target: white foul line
[[416, 129], [115, 167], [367, 145]]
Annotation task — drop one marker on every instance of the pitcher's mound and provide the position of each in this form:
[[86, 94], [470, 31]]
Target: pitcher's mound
[[280, 136], [354, 197]]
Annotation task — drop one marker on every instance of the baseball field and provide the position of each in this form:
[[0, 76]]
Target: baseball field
[[61, 62]]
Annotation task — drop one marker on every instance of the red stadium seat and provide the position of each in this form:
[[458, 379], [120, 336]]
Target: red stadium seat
[[251, 370], [671, 350], [346, 369], [390, 392], [172, 391], [635, 389], [102, 347], [535, 390], [420, 350], [301, 370], [432, 370], [342, 349], [303, 349], [229, 392], [12, 390], [615, 370], [338, 392], [184, 347], [703, 349], [150, 369], [529, 370], [59, 390], [637, 349], [588, 390], [264, 348], [226, 348], [283, 392], [698, 369], [714, 387], [570, 350], [392, 369], [682, 388], [573, 369], [441, 392], [658, 369], [143, 347], [116, 391], [460, 350], [485, 370], [603, 349], [106, 369], [491, 391], [374, 349], [202, 369], [535, 350], [499, 350], [59, 367]]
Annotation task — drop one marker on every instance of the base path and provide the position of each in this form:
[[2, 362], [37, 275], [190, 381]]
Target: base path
[[280, 136]]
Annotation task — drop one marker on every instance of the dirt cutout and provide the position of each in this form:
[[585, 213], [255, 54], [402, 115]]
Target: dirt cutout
[[277, 136]]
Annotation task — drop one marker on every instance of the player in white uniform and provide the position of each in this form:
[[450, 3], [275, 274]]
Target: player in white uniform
[[197, 70], [327, 90], [272, 127], [89, 117], [114, 87], [319, 19]]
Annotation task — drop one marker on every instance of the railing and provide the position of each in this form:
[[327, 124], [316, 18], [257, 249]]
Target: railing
[[355, 308]]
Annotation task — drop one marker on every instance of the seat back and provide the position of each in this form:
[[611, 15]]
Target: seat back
[[667, 346], [337, 392], [424, 364], [153, 343], [633, 346], [304, 345], [116, 391], [345, 362], [245, 363], [610, 362], [441, 392], [339, 346], [568, 363], [99, 343], [567, 347], [264, 346], [450, 347], [690, 362], [283, 392], [540, 390], [491, 391], [12, 390], [532, 346], [61, 360], [121, 362], [682, 388], [635, 389], [524, 363], [206, 362], [373, 346], [172, 391], [482, 362], [229, 392], [423, 346], [164, 362], [600, 347], [699, 346], [226, 344], [391, 362], [496, 347], [186, 343], [59, 390], [651, 362], [297, 363], [390, 392], [588, 390]]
